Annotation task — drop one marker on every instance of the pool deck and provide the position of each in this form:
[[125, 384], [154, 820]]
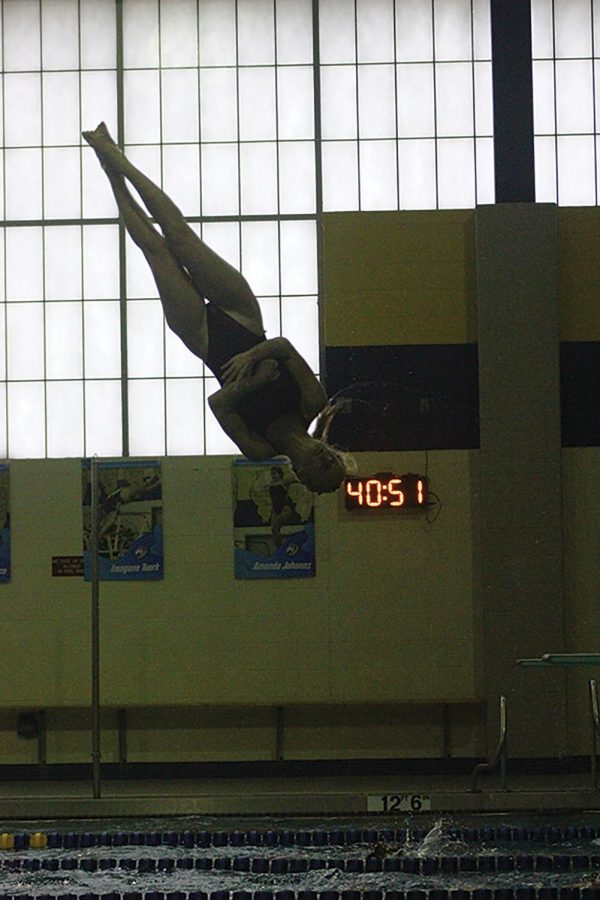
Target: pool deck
[[293, 796]]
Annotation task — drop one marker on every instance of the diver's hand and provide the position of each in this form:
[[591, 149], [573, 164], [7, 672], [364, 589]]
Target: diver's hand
[[246, 366], [250, 375]]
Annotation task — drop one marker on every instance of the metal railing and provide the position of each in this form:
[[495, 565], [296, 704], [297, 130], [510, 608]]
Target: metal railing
[[499, 757]]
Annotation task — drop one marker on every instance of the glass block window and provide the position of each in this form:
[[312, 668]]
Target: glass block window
[[566, 42], [256, 116]]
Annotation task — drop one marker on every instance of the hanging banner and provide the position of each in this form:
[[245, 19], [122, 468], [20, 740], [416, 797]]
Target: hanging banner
[[273, 524], [130, 544], [4, 523]]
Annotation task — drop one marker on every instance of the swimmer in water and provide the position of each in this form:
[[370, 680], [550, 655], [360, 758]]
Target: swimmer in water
[[269, 395]]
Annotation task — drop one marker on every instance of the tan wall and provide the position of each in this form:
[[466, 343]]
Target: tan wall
[[389, 628]]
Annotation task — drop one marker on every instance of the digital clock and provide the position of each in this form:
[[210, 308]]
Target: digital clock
[[386, 491]]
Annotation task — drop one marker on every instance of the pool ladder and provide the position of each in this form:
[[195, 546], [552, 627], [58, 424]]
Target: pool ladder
[[499, 757]]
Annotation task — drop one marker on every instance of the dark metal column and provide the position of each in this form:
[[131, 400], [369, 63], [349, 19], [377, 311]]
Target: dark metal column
[[513, 101]]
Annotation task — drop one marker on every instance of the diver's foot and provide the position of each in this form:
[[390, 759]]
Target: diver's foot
[[99, 138]]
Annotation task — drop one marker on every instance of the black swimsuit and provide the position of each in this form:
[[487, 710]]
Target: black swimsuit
[[227, 338]]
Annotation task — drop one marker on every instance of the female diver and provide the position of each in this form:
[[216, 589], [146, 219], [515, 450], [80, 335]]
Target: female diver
[[269, 394]]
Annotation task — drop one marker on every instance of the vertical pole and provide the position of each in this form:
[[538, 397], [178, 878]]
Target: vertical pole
[[513, 101], [95, 630]]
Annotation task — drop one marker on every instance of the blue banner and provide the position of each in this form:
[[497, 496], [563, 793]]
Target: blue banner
[[4, 523], [130, 536], [274, 529]]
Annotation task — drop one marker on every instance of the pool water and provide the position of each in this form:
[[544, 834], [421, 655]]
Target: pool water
[[198, 859]]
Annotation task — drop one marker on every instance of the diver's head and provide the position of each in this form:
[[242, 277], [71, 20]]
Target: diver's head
[[321, 468]]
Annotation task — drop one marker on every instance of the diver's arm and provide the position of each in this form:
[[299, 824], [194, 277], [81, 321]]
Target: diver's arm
[[312, 393], [223, 403]]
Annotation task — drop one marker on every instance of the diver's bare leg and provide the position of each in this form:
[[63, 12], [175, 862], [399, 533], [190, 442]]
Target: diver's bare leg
[[213, 277], [184, 309]]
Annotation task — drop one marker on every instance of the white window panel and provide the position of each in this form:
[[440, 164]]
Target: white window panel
[[64, 401], [217, 441], [220, 180], [97, 200], [142, 102], [414, 31], [294, 32], [375, 30], [257, 104], [484, 102], [574, 96], [140, 34], [2, 270], [543, 97], [224, 239], [416, 106], [482, 30], [452, 29], [454, 95], [576, 171], [486, 191], [145, 339], [258, 179], [545, 170], [300, 324], [340, 180], [25, 340], [61, 108], [297, 177], [97, 31], [336, 31], [3, 424], [103, 431], [256, 32], [338, 102], [26, 420], [3, 350], [100, 255], [270, 308], [64, 346], [573, 28], [62, 188], [542, 31], [179, 105], [179, 361], [22, 110], [378, 175], [62, 262], [417, 176], [146, 417], [217, 33], [377, 101], [102, 347], [181, 177], [99, 100], [260, 256], [185, 416], [295, 103], [21, 35], [60, 34], [218, 105], [456, 174], [140, 281], [24, 264], [179, 33], [23, 169]]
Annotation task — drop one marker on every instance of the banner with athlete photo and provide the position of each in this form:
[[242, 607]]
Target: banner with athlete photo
[[273, 522], [4, 523], [130, 541]]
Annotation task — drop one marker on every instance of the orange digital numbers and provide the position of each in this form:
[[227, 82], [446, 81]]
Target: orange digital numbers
[[396, 492], [386, 491]]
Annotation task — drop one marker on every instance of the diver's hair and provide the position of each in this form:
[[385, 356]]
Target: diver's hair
[[346, 459], [326, 417]]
